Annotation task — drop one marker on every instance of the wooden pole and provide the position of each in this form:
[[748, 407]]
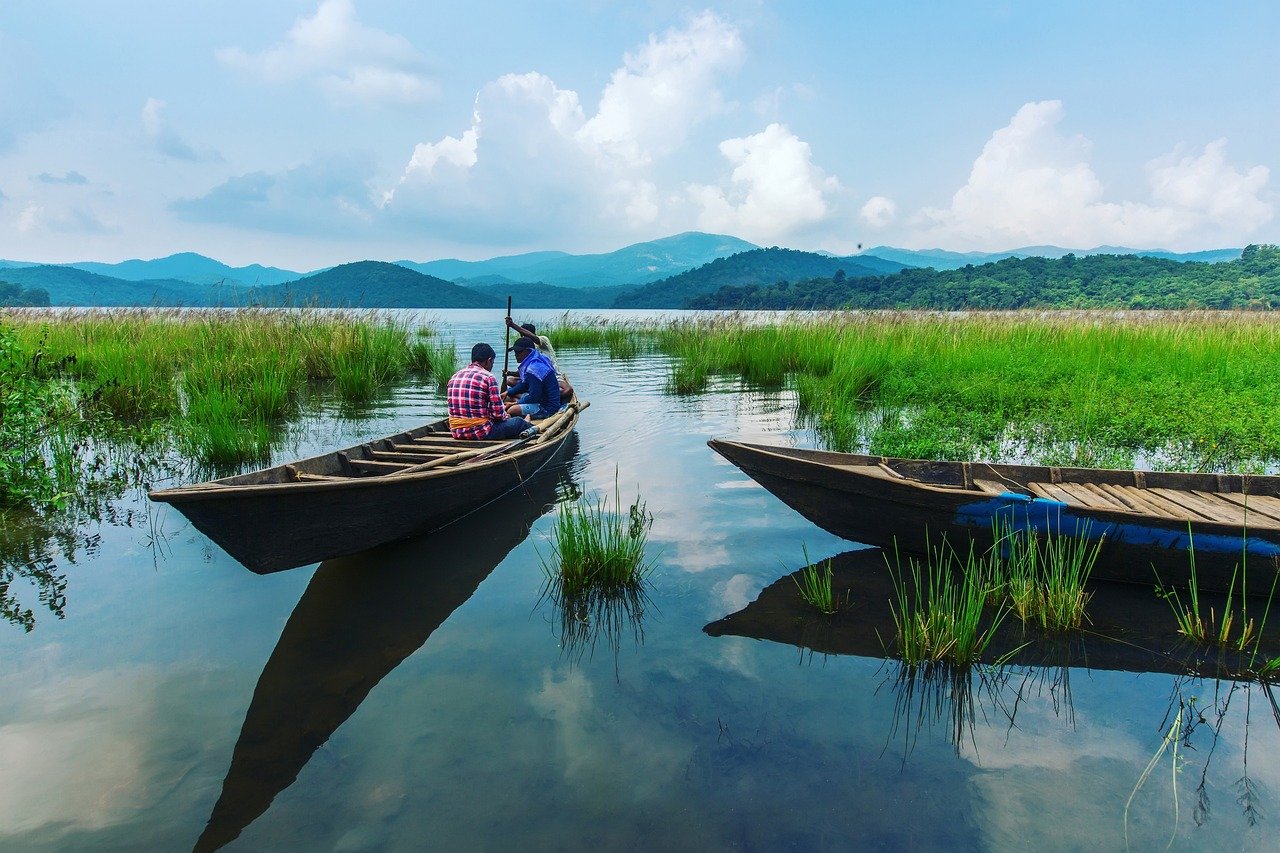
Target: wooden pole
[[506, 358]]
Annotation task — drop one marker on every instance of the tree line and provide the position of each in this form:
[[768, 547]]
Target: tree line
[[1095, 281]]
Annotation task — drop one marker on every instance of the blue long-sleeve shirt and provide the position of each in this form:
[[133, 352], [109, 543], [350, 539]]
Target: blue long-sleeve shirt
[[538, 379]]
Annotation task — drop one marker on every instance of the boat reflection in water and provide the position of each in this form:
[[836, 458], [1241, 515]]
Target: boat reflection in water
[[359, 618], [1130, 630]]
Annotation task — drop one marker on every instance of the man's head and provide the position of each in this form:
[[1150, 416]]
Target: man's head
[[523, 347], [530, 328], [483, 355]]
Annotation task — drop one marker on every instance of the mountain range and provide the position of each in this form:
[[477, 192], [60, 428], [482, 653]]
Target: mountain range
[[662, 273], [940, 259]]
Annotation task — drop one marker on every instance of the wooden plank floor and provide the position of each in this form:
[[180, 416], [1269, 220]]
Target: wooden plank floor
[[1263, 511]]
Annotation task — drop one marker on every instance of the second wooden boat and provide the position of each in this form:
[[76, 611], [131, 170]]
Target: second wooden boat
[[1150, 522], [349, 500]]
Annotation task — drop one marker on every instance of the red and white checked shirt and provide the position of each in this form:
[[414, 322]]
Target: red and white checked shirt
[[473, 393]]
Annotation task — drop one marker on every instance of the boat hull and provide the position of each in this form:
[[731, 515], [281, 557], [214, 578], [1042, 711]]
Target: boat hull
[[268, 525], [896, 513]]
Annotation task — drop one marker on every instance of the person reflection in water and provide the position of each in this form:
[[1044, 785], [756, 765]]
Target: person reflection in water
[[475, 407]]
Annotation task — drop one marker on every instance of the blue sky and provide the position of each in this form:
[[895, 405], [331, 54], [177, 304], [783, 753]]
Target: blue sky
[[305, 133]]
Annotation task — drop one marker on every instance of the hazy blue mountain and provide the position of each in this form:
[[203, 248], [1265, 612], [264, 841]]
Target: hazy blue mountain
[[452, 269], [188, 266], [635, 264], [5, 265], [71, 286], [941, 259], [374, 284], [756, 267], [539, 295]]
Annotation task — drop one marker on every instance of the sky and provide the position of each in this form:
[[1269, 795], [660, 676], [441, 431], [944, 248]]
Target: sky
[[306, 133]]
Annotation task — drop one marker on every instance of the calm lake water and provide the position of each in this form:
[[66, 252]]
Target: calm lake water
[[423, 697]]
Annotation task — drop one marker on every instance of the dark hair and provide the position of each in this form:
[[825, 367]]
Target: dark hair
[[482, 352], [533, 330]]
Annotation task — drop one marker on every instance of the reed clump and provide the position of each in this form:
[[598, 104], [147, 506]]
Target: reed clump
[[815, 585], [1043, 576], [939, 608], [593, 547], [1040, 384], [221, 383]]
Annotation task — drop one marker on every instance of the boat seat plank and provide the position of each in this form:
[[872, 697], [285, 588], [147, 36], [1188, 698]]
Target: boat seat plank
[[1250, 513], [1039, 491], [418, 449], [375, 467], [304, 477], [995, 487], [411, 458], [1053, 492]]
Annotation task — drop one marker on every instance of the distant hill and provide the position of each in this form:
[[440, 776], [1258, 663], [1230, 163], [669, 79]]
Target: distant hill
[[539, 295], [374, 284], [190, 267], [71, 286], [1092, 281], [756, 267], [940, 259], [635, 264]]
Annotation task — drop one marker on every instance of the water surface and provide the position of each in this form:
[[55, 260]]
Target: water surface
[[421, 696]]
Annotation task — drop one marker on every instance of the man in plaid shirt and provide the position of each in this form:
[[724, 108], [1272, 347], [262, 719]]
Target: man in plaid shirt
[[475, 409]]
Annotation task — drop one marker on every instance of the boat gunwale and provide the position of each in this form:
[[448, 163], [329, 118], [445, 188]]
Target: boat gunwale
[[903, 484], [220, 488]]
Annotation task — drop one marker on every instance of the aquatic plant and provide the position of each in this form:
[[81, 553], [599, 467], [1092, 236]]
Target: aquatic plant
[[1214, 629], [218, 383], [814, 584], [938, 617], [592, 547], [982, 384], [1043, 576]]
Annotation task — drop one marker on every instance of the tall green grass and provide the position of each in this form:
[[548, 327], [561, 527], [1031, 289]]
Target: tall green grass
[[939, 608], [594, 547], [1042, 576], [221, 383], [1197, 387], [815, 585]]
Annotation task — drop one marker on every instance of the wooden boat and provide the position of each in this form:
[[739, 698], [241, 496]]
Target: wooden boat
[[349, 500], [1149, 522]]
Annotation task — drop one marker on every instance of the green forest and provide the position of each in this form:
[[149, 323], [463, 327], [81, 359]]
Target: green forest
[[14, 296], [1095, 281]]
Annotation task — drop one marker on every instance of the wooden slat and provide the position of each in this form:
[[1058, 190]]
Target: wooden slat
[[411, 458], [1055, 492], [1103, 495], [419, 449], [1122, 493], [1261, 504], [1038, 489], [1250, 513], [374, 466], [1216, 510], [993, 487], [304, 477], [1169, 508], [1085, 497]]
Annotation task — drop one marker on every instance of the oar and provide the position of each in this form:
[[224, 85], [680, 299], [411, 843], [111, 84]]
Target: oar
[[506, 359]]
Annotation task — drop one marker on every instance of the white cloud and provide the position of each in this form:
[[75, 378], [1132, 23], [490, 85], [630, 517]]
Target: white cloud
[[774, 190], [348, 61], [1032, 184], [165, 139], [533, 163], [662, 89], [878, 211]]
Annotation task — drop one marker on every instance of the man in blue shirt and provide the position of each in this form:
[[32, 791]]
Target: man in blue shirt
[[537, 393]]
